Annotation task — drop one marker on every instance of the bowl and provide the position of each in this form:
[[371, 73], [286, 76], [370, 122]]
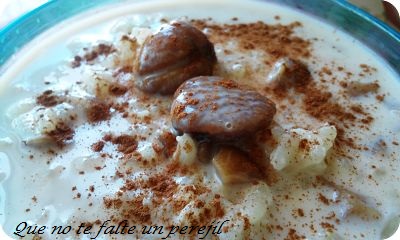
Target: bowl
[[378, 36]]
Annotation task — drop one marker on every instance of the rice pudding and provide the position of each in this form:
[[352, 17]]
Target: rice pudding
[[82, 142]]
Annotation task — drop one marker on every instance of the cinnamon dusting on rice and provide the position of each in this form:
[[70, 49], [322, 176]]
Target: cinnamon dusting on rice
[[169, 143], [323, 199], [132, 210], [117, 89], [292, 235], [165, 192], [98, 146], [48, 99], [61, 134], [277, 40], [98, 111], [162, 186], [127, 144], [90, 55], [321, 105]]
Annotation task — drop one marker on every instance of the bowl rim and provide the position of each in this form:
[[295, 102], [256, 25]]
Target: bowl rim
[[20, 24], [371, 18], [355, 9]]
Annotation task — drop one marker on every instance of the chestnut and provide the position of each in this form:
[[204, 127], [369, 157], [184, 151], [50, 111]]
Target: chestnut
[[175, 53]]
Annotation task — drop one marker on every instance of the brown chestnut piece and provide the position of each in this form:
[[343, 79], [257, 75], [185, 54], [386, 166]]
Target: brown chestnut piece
[[234, 166], [219, 108], [288, 73], [176, 53]]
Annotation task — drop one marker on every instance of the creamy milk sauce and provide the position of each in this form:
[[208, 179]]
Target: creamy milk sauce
[[54, 189]]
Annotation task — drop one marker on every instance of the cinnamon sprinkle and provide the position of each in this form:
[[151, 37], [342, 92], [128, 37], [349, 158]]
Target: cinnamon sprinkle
[[117, 89], [98, 111], [323, 199], [132, 209], [276, 40], [169, 143], [95, 52], [61, 134], [126, 143], [48, 99], [319, 104], [97, 147]]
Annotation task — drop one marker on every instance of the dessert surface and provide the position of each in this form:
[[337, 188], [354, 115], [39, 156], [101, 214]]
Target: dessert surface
[[270, 125]]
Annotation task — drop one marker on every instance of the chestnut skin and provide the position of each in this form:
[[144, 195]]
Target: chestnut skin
[[220, 109], [171, 56]]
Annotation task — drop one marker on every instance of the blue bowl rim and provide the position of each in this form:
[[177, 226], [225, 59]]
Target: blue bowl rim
[[372, 19], [16, 23]]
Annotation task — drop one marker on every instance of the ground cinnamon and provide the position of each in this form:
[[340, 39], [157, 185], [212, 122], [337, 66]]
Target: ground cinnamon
[[61, 134], [98, 111], [48, 99]]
